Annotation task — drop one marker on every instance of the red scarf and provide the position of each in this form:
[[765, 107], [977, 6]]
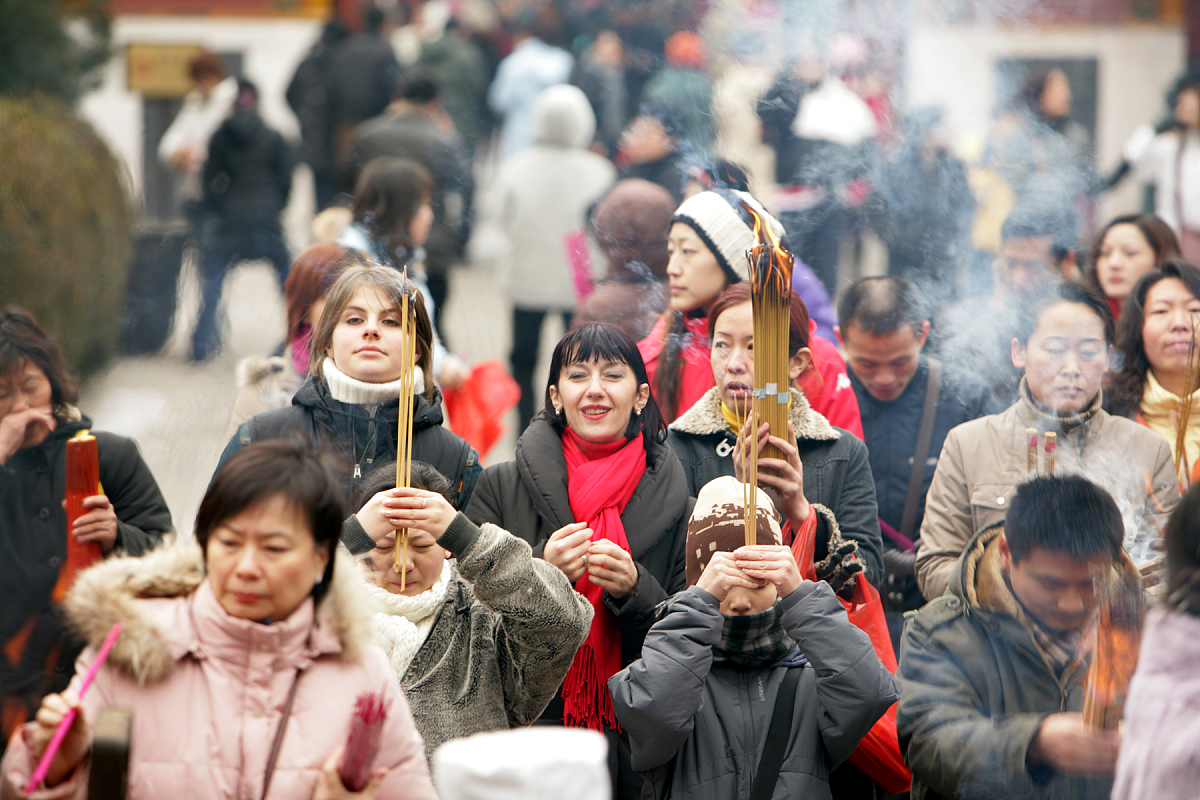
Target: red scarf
[[600, 481]]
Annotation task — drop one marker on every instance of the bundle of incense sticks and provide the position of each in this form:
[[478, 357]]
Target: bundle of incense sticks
[[771, 306], [362, 740], [82, 481], [1049, 446], [1031, 453], [404, 441], [1182, 469], [1118, 637]]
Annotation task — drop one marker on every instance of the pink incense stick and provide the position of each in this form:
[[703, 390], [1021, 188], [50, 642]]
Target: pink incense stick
[[43, 766]]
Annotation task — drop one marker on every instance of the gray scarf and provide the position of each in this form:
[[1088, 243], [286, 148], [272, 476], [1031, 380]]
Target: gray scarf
[[754, 640]]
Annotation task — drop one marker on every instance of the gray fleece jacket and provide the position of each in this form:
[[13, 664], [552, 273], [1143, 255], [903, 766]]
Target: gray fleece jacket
[[501, 643], [697, 728]]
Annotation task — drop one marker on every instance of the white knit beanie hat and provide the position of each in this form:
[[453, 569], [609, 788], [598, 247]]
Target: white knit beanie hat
[[714, 217]]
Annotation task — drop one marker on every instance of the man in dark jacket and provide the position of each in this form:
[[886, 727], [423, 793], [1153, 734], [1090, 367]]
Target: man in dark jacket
[[309, 96], [699, 703], [247, 180], [883, 328], [409, 129], [992, 673]]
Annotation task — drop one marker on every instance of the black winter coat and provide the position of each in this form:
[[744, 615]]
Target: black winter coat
[[248, 174], [33, 545], [837, 477], [528, 496], [365, 437]]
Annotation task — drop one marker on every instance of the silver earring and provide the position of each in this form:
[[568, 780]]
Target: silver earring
[[557, 410], [637, 411], [319, 579]]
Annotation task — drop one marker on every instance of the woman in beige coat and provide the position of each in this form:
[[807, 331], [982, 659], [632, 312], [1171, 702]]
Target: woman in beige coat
[[241, 658], [1064, 350]]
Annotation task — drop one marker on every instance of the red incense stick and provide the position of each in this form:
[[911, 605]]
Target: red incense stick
[[43, 766]]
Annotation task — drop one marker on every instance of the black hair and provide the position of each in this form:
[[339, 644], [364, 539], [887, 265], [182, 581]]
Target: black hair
[[601, 341], [718, 173], [1182, 538], [295, 468], [1033, 220], [419, 88], [1063, 292], [882, 305], [383, 477], [1065, 514], [22, 341], [668, 114], [1127, 384]]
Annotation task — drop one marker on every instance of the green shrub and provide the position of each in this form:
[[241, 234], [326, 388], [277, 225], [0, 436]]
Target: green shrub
[[65, 227]]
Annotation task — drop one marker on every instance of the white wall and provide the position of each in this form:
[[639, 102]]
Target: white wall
[[955, 67], [271, 50]]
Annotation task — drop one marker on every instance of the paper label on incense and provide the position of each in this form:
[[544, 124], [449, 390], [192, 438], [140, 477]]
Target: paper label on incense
[[772, 388]]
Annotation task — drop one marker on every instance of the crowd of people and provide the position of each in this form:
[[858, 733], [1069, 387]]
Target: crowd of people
[[981, 447]]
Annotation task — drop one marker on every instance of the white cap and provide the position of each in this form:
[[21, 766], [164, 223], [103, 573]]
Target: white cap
[[539, 763]]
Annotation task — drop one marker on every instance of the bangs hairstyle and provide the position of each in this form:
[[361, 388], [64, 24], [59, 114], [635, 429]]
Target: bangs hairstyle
[[1064, 514], [799, 335], [386, 198], [1127, 385], [22, 342], [311, 277], [394, 287], [604, 342], [1064, 292], [293, 468]]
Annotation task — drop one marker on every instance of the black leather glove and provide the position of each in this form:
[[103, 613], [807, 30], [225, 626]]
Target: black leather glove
[[899, 564], [840, 568]]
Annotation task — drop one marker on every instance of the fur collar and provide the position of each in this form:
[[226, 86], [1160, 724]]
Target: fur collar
[[110, 592], [705, 419]]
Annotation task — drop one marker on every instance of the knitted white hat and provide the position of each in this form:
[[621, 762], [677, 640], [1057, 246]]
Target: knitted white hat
[[723, 228], [539, 763]]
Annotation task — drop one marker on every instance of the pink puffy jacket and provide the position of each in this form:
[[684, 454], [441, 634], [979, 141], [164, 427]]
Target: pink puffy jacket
[[207, 690]]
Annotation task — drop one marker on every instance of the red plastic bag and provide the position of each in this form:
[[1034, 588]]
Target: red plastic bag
[[878, 754], [477, 410]]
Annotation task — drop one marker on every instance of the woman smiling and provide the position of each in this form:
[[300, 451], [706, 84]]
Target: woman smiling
[[1063, 348], [597, 493]]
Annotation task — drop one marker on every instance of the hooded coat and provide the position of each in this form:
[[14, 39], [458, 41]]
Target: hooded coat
[[365, 436], [1161, 731], [984, 460], [698, 727], [975, 687], [182, 658], [837, 475], [542, 193]]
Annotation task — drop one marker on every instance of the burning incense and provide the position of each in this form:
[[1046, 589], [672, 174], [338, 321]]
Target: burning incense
[[1118, 636], [404, 440], [1049, 445], [1031, 454], [1182, 468], [750, 482], [60, 733]]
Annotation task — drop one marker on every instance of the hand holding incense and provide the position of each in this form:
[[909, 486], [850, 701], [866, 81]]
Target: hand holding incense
[[43, 767], [1118, 638], [362, 740]]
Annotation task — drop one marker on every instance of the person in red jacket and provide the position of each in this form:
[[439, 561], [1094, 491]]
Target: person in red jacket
[[707, 243]]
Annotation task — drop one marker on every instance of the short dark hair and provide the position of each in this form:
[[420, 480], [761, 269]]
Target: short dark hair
[[882, 305], [1065, 514], [418, 87], [1182, 539], [383, 477], [23, 341], [1033, 220], [295, 468], [668, 114], [1063, 292], [603, 341]]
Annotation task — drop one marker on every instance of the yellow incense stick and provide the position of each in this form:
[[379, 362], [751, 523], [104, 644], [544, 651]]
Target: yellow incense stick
[[405, 419]]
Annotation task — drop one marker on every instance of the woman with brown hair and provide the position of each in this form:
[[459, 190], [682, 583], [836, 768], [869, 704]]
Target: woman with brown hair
[[349, 402], [1128, 248]]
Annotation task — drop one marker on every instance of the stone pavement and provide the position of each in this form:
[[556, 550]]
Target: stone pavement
[[178, 412]]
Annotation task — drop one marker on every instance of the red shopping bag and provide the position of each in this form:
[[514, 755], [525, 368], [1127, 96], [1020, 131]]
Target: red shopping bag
[[477, 410], [878, 754]]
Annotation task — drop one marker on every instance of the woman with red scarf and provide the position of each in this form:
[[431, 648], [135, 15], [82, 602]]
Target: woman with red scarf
[[596, 492]]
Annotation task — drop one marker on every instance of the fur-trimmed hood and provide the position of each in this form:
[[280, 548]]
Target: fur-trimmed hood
[[705, 418], [156, 635]]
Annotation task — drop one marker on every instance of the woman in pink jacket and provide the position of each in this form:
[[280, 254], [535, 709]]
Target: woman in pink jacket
[[241, 659]]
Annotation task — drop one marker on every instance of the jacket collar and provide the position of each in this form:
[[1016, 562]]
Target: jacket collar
[[1032, 416], [705, 418], [154, 637], [314, 394]]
